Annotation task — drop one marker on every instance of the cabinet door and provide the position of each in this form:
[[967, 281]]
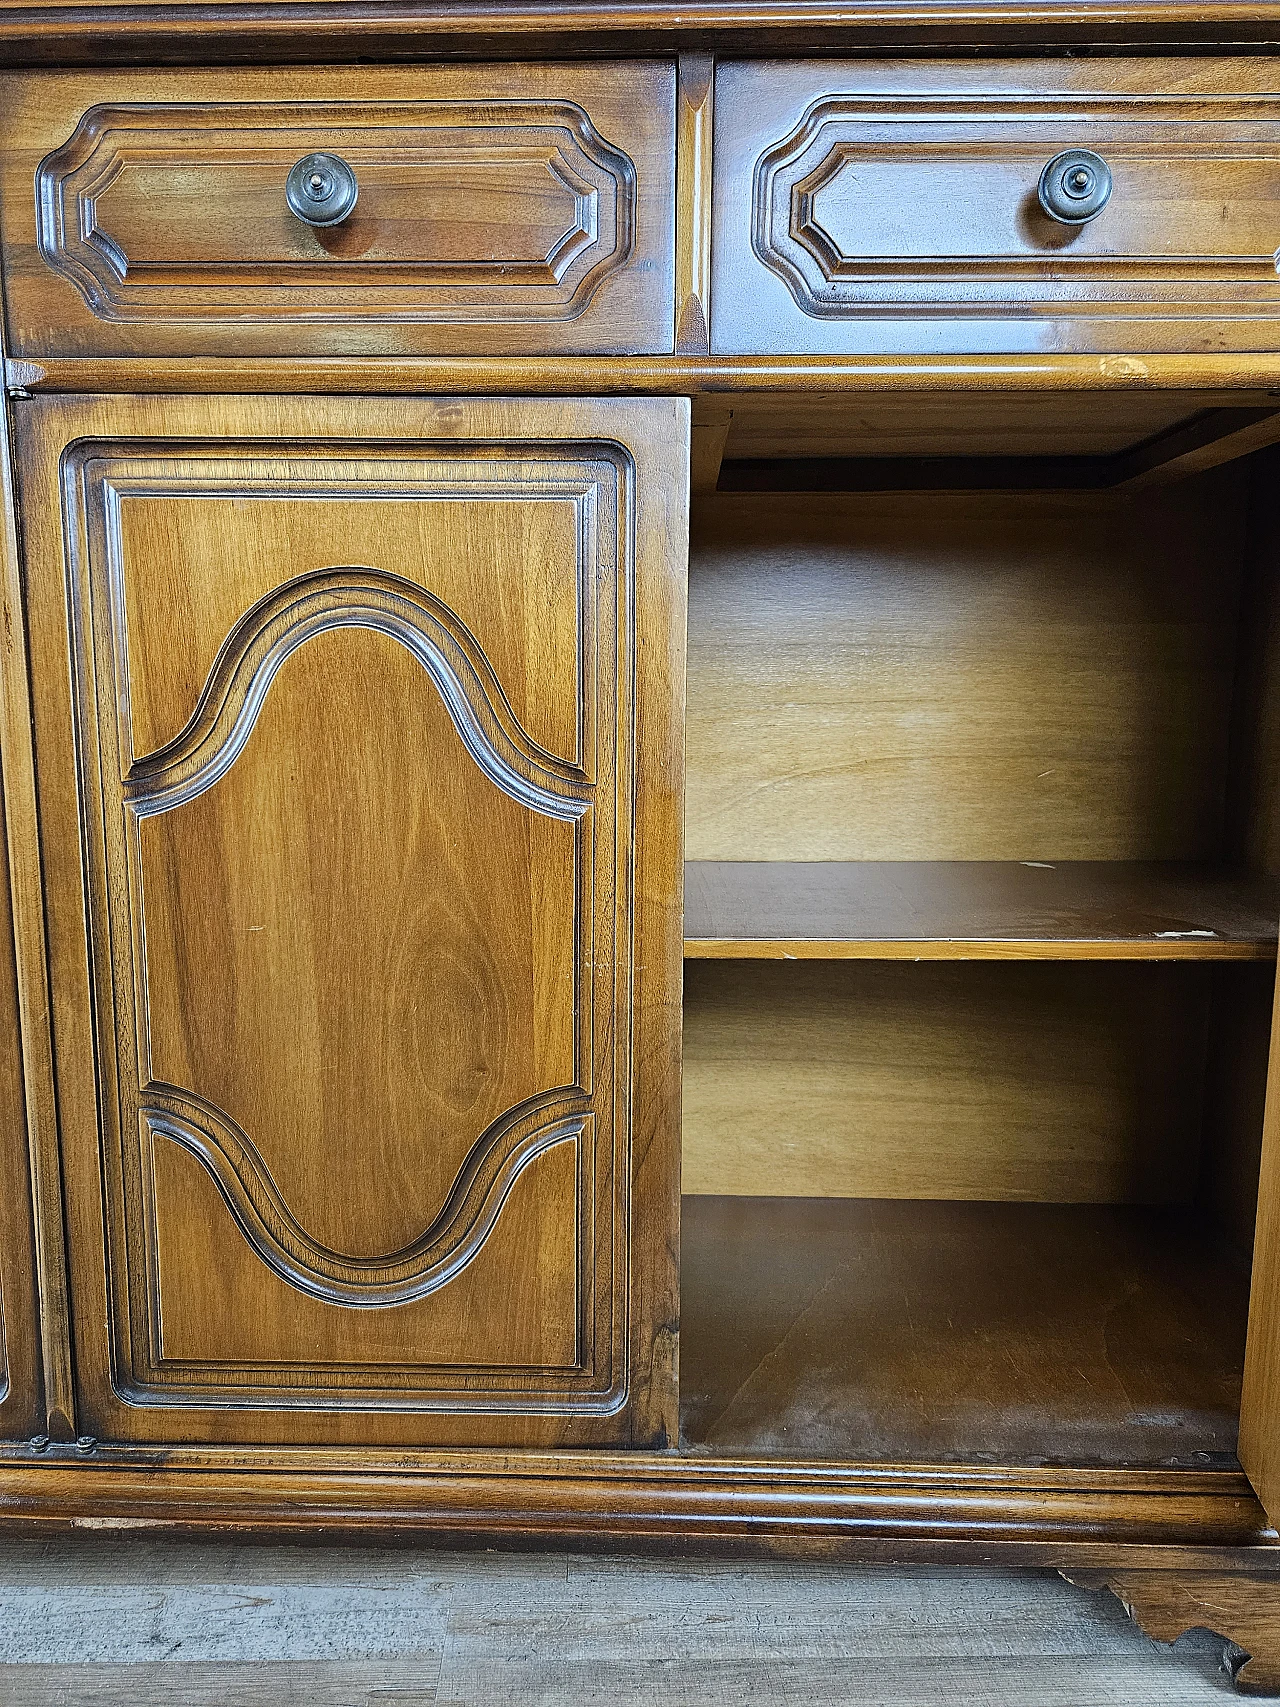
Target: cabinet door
[[366, 743]]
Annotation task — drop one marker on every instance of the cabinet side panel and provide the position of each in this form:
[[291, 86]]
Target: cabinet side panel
[[20, 1385], [1259, 1448], [29, 1400]]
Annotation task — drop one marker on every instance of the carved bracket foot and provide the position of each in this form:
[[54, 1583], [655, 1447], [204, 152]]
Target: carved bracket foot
[[1242, 1608]]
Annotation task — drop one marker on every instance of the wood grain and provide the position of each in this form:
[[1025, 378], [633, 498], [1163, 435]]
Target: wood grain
[[888, 208], [1253, 797], [695, 89], [1032, 1082], [1254, 818], [933, 1331], [1260, 1402], [969, 910], [35, 1337], [21, 1387], [937, 677], [226, 31], [364, 866], [528, 206], [1231, 378], [1207, 441], [269, 1683], [690, 1502], [1246, 1610], [1235, 1091], [546, 1628], [708, 435], [978, 423]]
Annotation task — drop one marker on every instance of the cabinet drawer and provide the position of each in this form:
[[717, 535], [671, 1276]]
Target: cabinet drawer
[[499, 210], [896, 208]]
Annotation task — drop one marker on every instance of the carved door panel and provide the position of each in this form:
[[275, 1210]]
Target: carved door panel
[[380, 979]]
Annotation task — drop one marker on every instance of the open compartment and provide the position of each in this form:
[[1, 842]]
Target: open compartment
[[982, 823]]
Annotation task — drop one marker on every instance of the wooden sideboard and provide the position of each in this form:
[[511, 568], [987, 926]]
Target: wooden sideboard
[[608, 603]]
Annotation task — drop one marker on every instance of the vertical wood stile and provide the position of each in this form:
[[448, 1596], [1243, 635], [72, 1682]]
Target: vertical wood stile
[[694, 109], [17, 767]]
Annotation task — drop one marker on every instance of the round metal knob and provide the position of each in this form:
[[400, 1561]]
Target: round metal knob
[[321, 189], [1075, 186]]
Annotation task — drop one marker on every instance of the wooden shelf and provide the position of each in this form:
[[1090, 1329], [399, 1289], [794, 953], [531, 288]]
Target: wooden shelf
[[980, 1332], [976, 910]]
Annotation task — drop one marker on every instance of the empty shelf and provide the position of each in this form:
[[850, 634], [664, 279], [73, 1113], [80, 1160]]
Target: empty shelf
[[982, 1332], [971, 910]]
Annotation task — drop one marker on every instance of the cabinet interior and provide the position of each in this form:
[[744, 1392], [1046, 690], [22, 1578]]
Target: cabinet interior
[[982, 831]]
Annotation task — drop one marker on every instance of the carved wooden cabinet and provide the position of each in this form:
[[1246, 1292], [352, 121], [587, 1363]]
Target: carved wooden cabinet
[[640, 735]]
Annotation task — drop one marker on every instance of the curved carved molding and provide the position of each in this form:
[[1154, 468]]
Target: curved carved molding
[[892, 205], [1243, 1608], [317, 603], [425, 170], [496, 1160]]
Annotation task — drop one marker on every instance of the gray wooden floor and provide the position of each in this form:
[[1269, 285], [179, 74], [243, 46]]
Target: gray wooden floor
[[115, 1620]]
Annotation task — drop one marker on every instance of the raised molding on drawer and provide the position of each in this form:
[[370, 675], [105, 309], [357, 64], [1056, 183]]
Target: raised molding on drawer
[[176, 213], [502, 219], [899, 212]]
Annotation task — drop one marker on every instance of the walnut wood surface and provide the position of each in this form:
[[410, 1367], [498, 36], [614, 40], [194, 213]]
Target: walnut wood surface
[[1245, 376], [224, 31], [694, 115], [1073, 1083], [1243, 1608], [978, 1332], [1260, 1406], [891, 208], [1095, 424], [1018, 679], [21, 1386], [35, 1358], [1171, 1519], [973, 677], [965, 910], [364, 899], [527, 208]]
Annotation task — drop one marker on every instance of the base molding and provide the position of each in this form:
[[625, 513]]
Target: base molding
[[1076, 1520], [1241, 1606]]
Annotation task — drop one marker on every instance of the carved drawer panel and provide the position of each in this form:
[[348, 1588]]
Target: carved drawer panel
[[497, 210], [899, 208]]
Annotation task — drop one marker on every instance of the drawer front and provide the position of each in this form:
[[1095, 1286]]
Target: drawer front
[[867, 209], [499, 210]]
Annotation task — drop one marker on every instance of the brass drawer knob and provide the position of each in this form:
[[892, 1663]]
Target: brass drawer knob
[[1075, 186], [321, 189]]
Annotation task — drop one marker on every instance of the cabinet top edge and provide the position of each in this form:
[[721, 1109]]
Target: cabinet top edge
[[1256, 374], [116, 32]]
